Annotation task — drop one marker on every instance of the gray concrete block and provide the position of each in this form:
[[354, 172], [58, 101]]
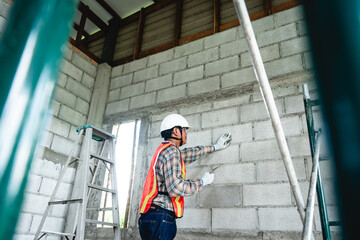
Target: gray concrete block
[[235, 174], [239, 133], [284, 66], [239, 77], [260, 25], [302, 28], [277, 92], [69, 52], [220, 38], [202, 138], [220, 196], [46, 139], [71, 70], [172, 66], [161, 116], [143, 100], [33, 184], [257, 111], [261, 150], [47, 186], [195, 122], [84, 64], [189, 48], [34, 203], [145, 74], [188, 75], [78, 89], [24, 223], [62, 79], [270, 171], [294, 46], [171, 93], [52, 223], [114, 95], [234, 219], [299, 146], [55, 107], [117, 107], [277, 35], [59, 211], [65, 97], [191, 202], [155, 129], [294, 104], [195, 218], [203, 57], [158, 83], [292, 126], [135, 65], [61, 145], [195, 109], [308, 60], [88, 81], [220, 118], [117, 71], [121, 81], [232, 102], [132, 90], [204, 86], [268, 53], [59, 127], [82, 106], [279, 219], [23, 237], [2, 24], [267, 195], [289, 16], [233, 48], [228, 155], [222, 66], [161, 57], [71, 116], [49, 169]]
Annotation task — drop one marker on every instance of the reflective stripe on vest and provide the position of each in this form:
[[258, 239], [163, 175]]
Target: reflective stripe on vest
[[151, 189]]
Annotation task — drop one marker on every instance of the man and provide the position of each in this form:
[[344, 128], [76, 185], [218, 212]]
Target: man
[[165, 186]]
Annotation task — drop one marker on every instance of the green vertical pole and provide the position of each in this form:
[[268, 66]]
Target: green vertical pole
[[325, 226], [30, 52]]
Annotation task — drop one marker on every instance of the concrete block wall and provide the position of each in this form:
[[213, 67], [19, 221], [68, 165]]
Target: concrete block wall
[[69, 109], [211, 82]]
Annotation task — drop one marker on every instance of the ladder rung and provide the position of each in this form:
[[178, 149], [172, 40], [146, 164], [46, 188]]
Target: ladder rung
[[100, 222], [75, 160], [101, 133], [101, 188], [99, 209], [102, 158], [65, 201], [59, 233]]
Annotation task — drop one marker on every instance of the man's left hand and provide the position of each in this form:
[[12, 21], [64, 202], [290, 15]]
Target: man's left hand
[[223, 142]]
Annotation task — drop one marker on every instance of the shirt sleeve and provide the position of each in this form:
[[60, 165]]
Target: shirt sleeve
[[192, 154], [177, 186]]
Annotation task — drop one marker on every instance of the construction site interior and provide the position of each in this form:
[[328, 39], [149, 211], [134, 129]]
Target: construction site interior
[[125, 69]]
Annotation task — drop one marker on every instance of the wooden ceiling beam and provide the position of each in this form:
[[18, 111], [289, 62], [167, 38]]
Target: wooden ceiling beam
[[178, 20], [92, 16], [81, 28], [216, 16], [77, 27], [109, 9], [268, 7], [139, 34]]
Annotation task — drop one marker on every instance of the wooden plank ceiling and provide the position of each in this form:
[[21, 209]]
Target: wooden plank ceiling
[[120, 40]]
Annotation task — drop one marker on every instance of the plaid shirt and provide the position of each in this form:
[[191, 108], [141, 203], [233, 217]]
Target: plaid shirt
[[169, 177]]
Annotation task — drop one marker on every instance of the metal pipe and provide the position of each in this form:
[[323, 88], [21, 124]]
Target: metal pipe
[[309, 217], [30, 48], [267, 95]]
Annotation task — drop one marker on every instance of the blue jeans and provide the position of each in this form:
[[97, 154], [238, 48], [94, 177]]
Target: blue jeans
[[157, 223]]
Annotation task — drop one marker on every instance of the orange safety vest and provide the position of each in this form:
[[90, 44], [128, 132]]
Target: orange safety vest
[[151, 189]]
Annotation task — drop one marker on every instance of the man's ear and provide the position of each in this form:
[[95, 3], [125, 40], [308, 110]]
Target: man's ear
[[176, 131]]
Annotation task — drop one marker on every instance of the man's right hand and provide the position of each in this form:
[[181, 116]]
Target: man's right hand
[[207, 178]]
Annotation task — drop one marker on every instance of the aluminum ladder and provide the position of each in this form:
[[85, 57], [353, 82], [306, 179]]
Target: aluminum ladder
[[86, 162]]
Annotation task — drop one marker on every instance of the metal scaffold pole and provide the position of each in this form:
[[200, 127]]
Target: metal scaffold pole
[[267, 95], [30, 52]]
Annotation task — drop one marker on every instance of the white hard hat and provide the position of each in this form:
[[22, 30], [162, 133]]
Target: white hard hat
[[173, 120]]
